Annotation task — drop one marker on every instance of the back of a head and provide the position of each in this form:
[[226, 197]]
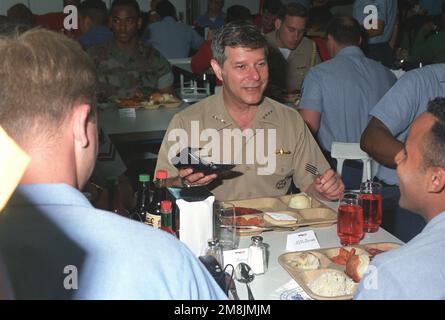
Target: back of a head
[[345, 30], [293, 10], [21, 14], [434, 147], [96, 10], [43, 75], [71, 3], [237, 12], [126, 3], [165, 9], [236, 34]]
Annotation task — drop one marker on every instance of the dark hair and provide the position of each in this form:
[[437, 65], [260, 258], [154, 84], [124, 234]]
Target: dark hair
[[237, 12], [126, 3], [21, 14], [236, 34], [345, 30], [73, 2], [272, 6], [96, 10], [292, 9], [319, 18], [434, 147], [165, 9], [96, 4], [12, 27]]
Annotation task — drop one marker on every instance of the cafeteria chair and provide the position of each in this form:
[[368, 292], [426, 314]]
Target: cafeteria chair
[[342, 151]]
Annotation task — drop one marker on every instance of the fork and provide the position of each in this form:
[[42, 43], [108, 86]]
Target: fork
[[312, 169]]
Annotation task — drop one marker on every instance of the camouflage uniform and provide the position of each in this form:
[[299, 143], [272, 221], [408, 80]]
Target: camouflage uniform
[[121, 75]]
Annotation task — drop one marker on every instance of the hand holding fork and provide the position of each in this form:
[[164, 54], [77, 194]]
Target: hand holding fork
[[329, 184]]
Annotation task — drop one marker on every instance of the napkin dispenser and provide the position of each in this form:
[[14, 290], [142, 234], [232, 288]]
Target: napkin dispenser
[[193, 216]]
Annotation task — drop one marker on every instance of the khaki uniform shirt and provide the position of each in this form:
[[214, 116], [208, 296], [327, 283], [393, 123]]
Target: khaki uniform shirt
[[289, 74], [121, 74], [293, 139]]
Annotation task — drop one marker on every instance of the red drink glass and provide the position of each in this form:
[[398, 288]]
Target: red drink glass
[[350, 220], [371, 201]]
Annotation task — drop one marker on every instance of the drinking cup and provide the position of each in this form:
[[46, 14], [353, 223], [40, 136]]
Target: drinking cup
[[350, 219], [225, 226], [371, 202]]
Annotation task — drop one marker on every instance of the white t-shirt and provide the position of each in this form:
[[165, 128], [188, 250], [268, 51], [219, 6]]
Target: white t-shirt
[[285, 52]]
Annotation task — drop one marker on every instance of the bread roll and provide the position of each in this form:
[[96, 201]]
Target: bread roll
[[300, 201]]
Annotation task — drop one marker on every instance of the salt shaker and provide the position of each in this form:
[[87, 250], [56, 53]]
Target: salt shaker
[[257, 255], [214, 249]]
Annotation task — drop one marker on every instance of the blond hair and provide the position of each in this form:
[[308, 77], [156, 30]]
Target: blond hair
[[43, 75]]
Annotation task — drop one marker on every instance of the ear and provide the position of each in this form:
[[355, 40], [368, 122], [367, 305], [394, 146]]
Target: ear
[[80, 125], [217, 69], [278, 23], [436, 180], [331, 41], [140, 23]]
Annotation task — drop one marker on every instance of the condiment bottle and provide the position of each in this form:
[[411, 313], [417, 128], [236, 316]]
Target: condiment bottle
[[257, 259], [153, 217], [214, 249], [143, 198], [166, 217]]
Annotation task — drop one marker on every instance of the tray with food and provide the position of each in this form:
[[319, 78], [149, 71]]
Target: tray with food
[[154, 101], [282, 213], [158, 99], [333, 273], [129, 103]]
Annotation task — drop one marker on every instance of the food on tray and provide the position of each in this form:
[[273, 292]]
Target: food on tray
[[304, 261], [343, 256], [129, 103], [256, 221], [357, 266], [158, 97], [332, 284], [300, 201], [241, 211], [281, 219]]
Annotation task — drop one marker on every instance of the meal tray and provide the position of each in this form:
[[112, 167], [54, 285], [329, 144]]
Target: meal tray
[[317, 215], [304, 277]]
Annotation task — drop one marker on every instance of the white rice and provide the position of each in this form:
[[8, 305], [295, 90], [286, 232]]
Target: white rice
[[332, 284]]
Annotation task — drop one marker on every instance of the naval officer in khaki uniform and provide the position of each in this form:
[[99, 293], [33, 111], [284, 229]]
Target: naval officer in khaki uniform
[[291, 53], [240, 124]]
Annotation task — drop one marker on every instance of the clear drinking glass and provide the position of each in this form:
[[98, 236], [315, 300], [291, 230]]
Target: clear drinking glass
[[225, 226], [350, 219], [371, 201]]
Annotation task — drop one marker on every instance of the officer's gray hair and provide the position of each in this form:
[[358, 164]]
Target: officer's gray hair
[[236, 34]]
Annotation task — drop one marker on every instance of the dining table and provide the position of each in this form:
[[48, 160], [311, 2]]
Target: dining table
[[276, 283], [136, 125]]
